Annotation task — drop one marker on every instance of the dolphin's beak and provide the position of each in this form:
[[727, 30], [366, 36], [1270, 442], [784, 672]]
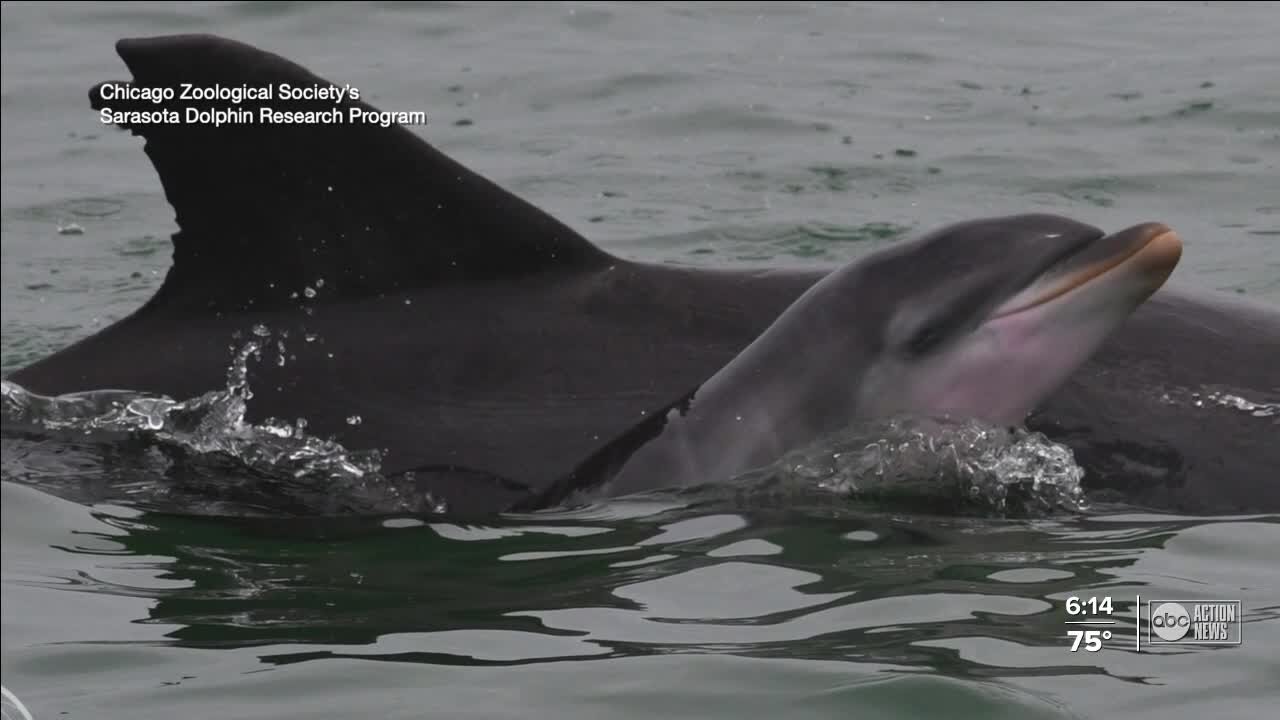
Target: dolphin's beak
[[1148, 252]]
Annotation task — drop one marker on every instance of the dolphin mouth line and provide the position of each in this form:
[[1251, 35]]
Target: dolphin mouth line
[[1157, 249]]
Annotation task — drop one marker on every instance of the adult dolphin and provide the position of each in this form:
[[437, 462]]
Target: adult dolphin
[[471, 331]]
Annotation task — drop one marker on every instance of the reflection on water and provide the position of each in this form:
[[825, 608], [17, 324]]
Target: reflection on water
[[835, 597], [912, 591]]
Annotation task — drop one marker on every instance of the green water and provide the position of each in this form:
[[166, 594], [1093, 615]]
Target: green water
[[751, 133]]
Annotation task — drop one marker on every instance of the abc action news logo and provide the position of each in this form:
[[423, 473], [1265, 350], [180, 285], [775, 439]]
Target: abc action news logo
[[1194, 622]]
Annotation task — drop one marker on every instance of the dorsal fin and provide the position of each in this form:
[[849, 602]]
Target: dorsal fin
[[266, 210]]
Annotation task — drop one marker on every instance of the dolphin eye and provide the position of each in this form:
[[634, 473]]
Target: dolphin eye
[[957, 315], [926, 339]]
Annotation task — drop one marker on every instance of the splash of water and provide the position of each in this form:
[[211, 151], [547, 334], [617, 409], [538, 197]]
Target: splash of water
[[213, 425], [1258, 409], [931, 462]]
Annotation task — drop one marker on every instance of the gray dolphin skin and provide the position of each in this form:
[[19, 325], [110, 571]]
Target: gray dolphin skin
[[491, 349]]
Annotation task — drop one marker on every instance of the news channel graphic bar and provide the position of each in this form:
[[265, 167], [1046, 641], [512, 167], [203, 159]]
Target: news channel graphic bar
[[1194, 622], [1092, 622]]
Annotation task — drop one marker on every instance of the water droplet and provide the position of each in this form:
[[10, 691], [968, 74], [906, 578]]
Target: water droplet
[[309, 292], [261, 330], [407, 301], [320, 282], [310, 337], [354, 420], [70, 229]]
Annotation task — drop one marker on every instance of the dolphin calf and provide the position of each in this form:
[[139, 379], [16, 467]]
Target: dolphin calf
[[979, 320], [489, 347]]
